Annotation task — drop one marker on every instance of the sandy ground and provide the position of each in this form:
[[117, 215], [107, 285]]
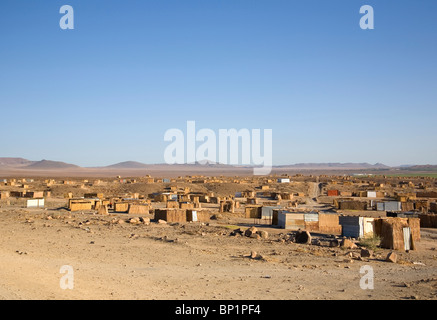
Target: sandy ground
[[193, 261]]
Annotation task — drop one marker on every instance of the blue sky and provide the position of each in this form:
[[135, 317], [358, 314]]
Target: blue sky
[[108, 90]]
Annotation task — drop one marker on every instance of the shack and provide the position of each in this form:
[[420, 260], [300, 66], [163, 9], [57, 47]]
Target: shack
[[356, 227]]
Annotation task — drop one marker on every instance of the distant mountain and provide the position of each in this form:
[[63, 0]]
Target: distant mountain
[[427, 167], [315, 166], [15, 162], [128, 165], [49, 165]]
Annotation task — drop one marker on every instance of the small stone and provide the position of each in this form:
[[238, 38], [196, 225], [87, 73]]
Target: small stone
[[263, 234], [134, 221], [365, 253], [255, 236], [160, 221], [348, 244], [145, 221], [392, 257], [250, 231], [303, 237]]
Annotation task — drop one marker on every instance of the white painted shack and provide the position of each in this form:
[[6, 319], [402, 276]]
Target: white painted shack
[[389, 206], [356, 227], [371, 194], [35, 203]]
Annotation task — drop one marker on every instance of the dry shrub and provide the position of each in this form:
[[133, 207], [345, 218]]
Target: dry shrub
[[371, 241]]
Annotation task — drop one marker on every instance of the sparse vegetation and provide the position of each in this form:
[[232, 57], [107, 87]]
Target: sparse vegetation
[[370, 241]]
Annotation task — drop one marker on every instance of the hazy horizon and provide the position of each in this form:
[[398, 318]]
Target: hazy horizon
[[162, 163]]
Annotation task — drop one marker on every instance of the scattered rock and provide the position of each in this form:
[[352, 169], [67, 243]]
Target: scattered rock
[[348, 244], [145, 221], [303, 237], [366, 253], [354, 255], [237, 232], [160, 221], [134, 221], [317, 242], [334, 243], [263, 234], [255, 236], [253, 254], [392, 257], [250, 231]]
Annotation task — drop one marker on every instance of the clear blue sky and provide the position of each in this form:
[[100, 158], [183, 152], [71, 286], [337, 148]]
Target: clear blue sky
[[108, 90]]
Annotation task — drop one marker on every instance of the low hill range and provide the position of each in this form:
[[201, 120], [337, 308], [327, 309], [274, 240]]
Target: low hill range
[[21, 164], [50, 164]]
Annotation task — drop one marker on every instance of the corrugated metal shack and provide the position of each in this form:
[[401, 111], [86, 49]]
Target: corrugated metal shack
[[267, 213], [291, 220], [389, 206], [398, 233], [309, 221], [356, 227]]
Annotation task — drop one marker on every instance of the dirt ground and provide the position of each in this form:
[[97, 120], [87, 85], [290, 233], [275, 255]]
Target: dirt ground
[[119, 260], [112, 258]]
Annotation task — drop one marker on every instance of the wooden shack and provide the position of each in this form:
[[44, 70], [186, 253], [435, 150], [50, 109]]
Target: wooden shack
[[398, 233], [171, 215]]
